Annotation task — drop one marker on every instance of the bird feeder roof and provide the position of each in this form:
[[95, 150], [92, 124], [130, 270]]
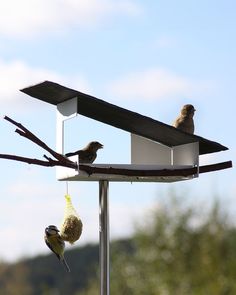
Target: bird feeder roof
[[116, 116]]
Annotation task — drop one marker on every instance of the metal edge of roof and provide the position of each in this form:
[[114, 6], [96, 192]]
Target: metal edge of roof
[[55, 93]]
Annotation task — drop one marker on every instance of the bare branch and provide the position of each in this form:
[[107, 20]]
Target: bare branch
[[29, 135], [46, 157], [61, 160], [25, 159], [163, 172], [50, 163]]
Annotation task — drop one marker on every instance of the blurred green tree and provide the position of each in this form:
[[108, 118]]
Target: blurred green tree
[[14, 281], [177, 250]]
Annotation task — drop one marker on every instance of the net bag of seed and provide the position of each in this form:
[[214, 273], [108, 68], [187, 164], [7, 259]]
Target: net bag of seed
[[71, 227]]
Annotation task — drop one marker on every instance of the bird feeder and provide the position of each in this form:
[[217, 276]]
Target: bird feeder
[[159, 152]]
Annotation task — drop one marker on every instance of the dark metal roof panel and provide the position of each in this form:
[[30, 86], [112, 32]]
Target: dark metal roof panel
[[50, 92], [113, 115]]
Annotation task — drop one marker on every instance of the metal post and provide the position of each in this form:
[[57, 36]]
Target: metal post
[[104, 238]]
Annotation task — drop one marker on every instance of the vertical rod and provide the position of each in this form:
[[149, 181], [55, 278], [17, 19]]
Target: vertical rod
[[104, 239]]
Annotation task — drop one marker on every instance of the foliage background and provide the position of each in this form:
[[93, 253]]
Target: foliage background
[[176, 249]]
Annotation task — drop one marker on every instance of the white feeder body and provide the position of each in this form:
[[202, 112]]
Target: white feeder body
[[145, 155]]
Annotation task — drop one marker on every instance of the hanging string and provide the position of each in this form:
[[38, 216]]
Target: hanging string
[[67, 189]]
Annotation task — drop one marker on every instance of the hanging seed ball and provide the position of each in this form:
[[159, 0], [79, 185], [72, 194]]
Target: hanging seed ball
[[71, 229]]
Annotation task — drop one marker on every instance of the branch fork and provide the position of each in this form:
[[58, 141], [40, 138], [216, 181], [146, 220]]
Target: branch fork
[[60, 160]]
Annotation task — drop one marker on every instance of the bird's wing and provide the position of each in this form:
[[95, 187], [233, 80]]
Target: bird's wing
[[58, 240], [86, 156], [177, 121], [50, 247]]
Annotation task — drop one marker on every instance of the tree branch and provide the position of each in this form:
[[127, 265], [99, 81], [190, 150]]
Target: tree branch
[[61, 160], [50, 163], [160, 172], [29, 135]]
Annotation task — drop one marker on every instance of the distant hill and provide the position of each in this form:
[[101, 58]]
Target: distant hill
[[44, 275]]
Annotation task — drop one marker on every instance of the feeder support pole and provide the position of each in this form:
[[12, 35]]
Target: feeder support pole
[[104, 240]]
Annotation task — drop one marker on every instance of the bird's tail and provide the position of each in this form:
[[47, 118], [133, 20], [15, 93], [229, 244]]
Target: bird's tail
[[70, 154], [63, 261]]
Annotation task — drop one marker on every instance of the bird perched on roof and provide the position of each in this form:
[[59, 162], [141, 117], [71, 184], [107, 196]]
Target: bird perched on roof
[[55, 243], [87, 154], [184, 121]]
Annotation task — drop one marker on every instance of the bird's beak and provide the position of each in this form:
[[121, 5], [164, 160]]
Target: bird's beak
[[101, 146]]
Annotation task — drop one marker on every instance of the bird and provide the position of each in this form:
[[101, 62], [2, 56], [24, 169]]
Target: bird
[[185, 121], [87, 154], [55, 243]]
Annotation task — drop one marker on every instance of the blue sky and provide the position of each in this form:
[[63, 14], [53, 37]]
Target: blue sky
[[148, 56]]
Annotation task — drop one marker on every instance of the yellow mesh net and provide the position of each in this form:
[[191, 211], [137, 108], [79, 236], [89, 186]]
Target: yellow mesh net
[[71, 227]]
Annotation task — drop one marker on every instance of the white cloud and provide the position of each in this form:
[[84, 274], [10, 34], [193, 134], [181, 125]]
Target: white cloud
[[16, 75], [29, 17], [156, 84]]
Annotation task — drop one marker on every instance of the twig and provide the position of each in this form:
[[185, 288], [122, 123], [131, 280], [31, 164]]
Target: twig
[[29, 135], [50, 163], [61, 160]]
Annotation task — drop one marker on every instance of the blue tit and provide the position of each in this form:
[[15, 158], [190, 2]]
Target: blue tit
[[55, 243]]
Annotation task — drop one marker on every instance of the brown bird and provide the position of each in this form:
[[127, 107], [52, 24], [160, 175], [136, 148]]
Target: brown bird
[[87, 154], [184, 121]]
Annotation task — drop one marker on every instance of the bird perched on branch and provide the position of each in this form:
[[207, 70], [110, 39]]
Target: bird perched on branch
[[87, 154], [185, 120], [55, 243]]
